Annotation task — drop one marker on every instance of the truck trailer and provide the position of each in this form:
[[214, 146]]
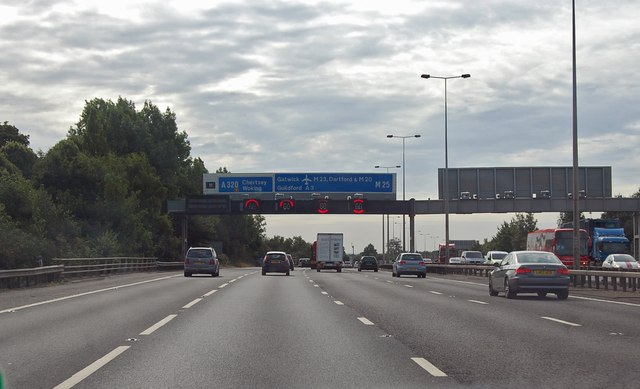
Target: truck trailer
[[328, 251]]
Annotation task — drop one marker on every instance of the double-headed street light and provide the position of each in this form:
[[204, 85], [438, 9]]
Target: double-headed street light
[[403, 184], [446, 162], [383, 240]]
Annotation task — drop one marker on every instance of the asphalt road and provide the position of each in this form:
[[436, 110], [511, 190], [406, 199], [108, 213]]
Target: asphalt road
[[311, 330]]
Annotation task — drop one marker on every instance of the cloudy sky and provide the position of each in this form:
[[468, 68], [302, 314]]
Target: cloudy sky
[[315, 86]]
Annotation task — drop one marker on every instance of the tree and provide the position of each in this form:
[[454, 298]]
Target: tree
[[370, 250], [394, 247], [20, 155], [513, 235], [9, 133]]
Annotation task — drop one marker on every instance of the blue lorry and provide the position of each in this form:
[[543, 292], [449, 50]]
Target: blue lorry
[[606, 236]]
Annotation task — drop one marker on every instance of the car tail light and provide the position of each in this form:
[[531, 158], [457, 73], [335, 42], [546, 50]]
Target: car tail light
[[402, 263], [523, 270], [563, 271], [186, 261], [423, 263], [212, 262]]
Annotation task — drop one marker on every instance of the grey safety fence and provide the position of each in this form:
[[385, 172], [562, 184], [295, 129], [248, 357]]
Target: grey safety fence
[[616, 280], [20, 278], [82, 267]]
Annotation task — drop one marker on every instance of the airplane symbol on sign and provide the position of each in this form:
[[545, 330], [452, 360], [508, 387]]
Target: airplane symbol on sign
[[306, 180]]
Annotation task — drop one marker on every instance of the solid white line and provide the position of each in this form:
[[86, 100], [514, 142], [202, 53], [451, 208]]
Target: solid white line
[[366, 321], [478, 302], [605, 301], [562, 321], [223, 285], [434, 292], [191, 304], [92, 368], [434, 371], [210, 293], [159, 324], [409, 286], [338, 302], [83, 294]]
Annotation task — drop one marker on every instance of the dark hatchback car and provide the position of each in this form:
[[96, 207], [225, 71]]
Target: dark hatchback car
[[530, 272], [275, 262], [368, 263]]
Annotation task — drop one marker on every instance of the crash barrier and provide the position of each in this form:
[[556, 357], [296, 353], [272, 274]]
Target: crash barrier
[[170, 265], [625, 280], [20, 278], [78, 267]]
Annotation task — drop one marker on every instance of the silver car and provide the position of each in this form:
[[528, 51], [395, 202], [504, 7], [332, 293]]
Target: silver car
[[538, 272], [619, 261], [201, 260]]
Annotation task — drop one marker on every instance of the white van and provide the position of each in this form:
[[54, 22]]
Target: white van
[[494, 257]]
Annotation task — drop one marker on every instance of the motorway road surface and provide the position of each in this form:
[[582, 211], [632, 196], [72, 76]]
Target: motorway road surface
[[310, 330]]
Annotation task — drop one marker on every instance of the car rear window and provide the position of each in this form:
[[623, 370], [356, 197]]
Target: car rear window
[[275, 256], [199, 253], [537, 258], [473, 254], [368, 260], [623, 258], [412, 257]]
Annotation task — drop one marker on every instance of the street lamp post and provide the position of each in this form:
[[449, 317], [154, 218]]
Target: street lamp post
[[383, 242], [446, 161], [404, 228]]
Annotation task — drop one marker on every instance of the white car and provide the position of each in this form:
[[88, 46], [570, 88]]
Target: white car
[[620, 261], [472, 258], [455, 261]]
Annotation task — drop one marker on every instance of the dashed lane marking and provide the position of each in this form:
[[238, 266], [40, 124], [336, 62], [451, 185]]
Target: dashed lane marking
[[194, 302], [365, 321], [561, 321], [159, 324], [428, 366], [92, 368]]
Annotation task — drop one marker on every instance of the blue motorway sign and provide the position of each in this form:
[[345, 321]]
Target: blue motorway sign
[[309, 184]]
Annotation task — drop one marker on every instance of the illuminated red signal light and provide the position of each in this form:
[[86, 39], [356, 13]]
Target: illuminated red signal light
[[252, 205], [323, 206], [286, 205], [358, 206]]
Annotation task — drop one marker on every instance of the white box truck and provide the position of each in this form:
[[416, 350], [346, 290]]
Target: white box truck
[[329, 249]]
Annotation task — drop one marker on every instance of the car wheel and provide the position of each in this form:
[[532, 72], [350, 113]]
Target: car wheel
[[187, 274], [264, 273], [339, 270], [288, 273], [542, 294], [318, 269], [359, 269], [424, 275], [508, 292], [375, 270], [398, 274], [562, 295], [492, 292]]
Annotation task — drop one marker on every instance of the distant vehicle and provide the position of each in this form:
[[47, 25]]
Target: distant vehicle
[[472, 258], [201, 260], [275, 262], [606, 237], [559, 241], [347, 262], [442, 252], [328, 251], [620, 261], [494, 257], [455, 261], [368, 262], [538, 272], [304, 262], [290, 259], [409, 263]]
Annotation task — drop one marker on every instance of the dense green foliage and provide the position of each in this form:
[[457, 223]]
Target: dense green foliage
[[102, 191], [512, 235]]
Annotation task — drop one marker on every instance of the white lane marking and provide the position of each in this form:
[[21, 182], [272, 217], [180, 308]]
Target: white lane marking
[[323, 292], [210, 293], [434, 292], [84, 294], [561, 321], [605, 301], [338, 302], [478, 302], [376, 278], [428, 366], [366, 321], [316, 285], [232, 281], [409, 286], [92, 368], [391, 282], [191, 304], [159, 324], [223, 285]]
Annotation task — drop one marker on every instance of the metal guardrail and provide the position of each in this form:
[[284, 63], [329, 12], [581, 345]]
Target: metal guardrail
[[74, 267], [627, 280], [18, 278]]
